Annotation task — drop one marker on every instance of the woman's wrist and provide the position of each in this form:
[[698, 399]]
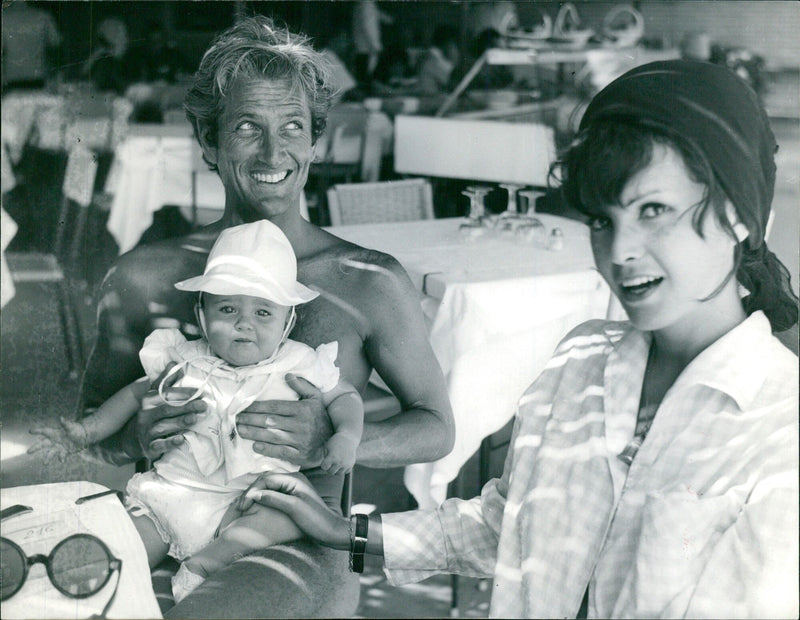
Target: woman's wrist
[[365, 533], [342, 535]]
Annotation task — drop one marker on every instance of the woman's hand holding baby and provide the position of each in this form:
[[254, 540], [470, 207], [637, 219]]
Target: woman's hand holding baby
[[293, 495], [295, 431]]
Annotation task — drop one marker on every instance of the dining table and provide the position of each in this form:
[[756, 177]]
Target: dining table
[[59, 119], [38, 517], [496, 305], [153, 166], [158, 165]]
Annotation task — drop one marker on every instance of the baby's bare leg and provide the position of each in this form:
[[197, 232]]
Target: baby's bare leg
[[260, 527], [156, 548]]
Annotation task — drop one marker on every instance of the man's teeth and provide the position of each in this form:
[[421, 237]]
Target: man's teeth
[[639, 281], [270, 178]]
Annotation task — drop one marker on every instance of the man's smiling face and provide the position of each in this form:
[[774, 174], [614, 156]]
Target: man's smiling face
[[263, 147]]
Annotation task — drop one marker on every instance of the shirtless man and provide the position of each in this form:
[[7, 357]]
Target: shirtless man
[[258, 104]]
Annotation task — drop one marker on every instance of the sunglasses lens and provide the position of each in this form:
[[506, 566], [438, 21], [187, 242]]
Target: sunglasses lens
[[12, 569], [80, 566]]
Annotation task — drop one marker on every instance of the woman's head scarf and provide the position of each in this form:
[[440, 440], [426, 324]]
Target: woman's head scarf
[[714, 110]]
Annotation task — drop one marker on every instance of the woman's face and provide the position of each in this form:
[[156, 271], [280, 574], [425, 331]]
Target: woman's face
[[263, 148], [651, 256], [241, 329]]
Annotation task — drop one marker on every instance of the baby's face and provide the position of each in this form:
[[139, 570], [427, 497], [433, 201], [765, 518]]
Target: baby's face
[[242, 329]]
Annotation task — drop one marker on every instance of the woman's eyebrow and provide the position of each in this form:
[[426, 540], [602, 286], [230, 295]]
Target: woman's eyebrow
[[639, 197]]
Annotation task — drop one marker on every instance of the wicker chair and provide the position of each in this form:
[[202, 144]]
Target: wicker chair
[[386, 201]]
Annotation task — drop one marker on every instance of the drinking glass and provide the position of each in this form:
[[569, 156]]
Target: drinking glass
[[476, 223], [531, 229]]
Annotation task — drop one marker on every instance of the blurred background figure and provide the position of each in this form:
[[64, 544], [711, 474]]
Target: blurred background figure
[[108, 65], [338, 51], [437, 63], [367, 21], [393, 73], [30, 38], [157, 57], [490, 76], [498, 16]]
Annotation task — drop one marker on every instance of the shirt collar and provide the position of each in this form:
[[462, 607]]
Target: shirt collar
[[734, 364]]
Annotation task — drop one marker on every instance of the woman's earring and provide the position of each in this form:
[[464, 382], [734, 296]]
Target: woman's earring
[[741, 232], [739, 229]]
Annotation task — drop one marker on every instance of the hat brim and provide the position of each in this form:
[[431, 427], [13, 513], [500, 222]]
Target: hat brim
[[272, 291]]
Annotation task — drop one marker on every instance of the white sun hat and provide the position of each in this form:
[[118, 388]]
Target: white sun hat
[[252, 259]]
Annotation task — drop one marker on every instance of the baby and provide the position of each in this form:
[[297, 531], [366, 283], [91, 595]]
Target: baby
[[246, 311]]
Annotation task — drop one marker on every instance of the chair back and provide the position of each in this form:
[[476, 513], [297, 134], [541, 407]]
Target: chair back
[[343, 140], [78, 189], [473, 150], [386, 201], [79, 175], [354, 138]]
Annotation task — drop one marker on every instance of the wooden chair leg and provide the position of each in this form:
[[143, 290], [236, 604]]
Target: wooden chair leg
[[70, 327], [454, 610]]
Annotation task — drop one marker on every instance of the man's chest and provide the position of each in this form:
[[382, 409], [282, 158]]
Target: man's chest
[[340, 313]]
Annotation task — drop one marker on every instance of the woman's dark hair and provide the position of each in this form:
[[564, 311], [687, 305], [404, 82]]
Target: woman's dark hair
[[257, 48], [597, 166]]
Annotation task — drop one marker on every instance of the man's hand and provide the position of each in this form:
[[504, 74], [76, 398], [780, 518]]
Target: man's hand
[[295, 431], [159, 425]]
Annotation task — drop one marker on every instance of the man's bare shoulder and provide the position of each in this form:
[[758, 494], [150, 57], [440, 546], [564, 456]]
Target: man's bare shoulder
[[368, 270], [161, 263]]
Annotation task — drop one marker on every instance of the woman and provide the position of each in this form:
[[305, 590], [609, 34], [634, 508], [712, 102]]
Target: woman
[[653, 470]]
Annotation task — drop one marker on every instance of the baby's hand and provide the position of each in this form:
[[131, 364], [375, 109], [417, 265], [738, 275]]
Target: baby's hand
[[58, 442], [340, 454]]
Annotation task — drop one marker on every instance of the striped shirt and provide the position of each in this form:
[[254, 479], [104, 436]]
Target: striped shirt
[[704, 523]]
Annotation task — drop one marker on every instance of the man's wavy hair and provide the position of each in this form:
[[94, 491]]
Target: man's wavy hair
[[257, 48]]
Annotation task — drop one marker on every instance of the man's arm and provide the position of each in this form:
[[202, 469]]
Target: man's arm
[[114, 360], [392, 338], [135, 297], [397, 346]]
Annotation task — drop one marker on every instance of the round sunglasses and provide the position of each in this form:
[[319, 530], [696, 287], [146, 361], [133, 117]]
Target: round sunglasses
[[78, 566]]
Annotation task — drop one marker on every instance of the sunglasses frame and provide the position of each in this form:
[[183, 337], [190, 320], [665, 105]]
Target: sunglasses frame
[[114, 564]]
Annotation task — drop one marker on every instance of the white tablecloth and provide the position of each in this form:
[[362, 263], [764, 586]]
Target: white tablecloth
[[21, 111], [157, 165], [497, 309], [56, 516], [57, 122], [152, 169], [8, 228]]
